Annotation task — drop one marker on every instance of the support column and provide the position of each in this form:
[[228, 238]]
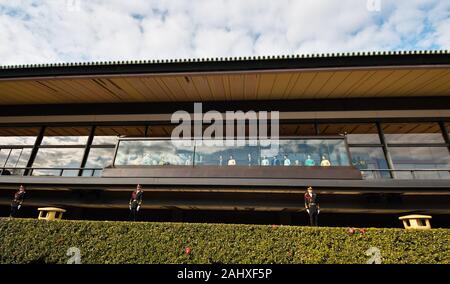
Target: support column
[[86, 150], [34, 151], [385, 147]]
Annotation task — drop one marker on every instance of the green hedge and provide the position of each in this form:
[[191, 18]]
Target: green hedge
[[33, 241]]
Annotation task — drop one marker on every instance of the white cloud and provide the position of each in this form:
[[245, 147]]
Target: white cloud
[[43, 31]]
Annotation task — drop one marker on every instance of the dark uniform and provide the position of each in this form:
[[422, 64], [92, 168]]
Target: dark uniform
[[17, 203], [312, 203], [135, 202]]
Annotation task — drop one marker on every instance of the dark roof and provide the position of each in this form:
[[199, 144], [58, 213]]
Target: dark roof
[[254, 63]]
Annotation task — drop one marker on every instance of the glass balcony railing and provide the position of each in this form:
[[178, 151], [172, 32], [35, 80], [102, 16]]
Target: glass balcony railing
[[376, 174], [49, 171], [286, 152]]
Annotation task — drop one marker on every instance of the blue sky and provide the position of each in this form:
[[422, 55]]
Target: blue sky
[[48, 31]]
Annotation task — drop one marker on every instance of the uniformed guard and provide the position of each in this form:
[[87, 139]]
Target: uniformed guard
[[16, 203], [312, 206], [135, 202]]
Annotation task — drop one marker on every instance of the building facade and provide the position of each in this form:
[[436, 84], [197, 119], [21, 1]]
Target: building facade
[[370, 132]]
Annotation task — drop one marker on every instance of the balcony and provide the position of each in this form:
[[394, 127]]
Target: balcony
[[290, 158]]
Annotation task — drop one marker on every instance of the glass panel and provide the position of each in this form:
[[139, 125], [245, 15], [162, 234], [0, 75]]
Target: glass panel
[[370, 158], [17, 140], [152, 152], [4, 156], [312, 152], [98, 158], [58, 158], [18, 135], [107, 135], [18, 158], [416, 158], [14, 158], [308, 152], [413, 133], [66, 136], [363, 133], [239, 153]]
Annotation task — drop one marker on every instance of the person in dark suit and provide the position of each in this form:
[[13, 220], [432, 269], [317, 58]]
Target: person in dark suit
[[17, 201], [312, 206], [275, 161], [135, 202]]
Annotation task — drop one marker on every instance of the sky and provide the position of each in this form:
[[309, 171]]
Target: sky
[[55, 31]]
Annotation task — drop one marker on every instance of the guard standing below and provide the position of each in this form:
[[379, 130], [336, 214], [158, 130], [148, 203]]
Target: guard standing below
[[16, 203], [135, 202], [312, 206]]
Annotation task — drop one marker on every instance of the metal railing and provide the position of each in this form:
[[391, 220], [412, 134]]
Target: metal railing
[[405, 173], [366, 173], [29, 171]]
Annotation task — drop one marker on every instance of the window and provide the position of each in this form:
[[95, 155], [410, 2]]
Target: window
[[98, 158], [370, 158], [362, 133], [309, 152], [402, 133], [16, 144], [11, 160], [239, 153], [58, 158], [61, 148], [413, 160], [18, 158], [299, 152], [4, 153], [421, 158], [153, 153]]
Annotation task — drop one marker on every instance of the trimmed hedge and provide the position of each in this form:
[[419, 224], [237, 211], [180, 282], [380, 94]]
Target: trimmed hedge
[[33, 241]]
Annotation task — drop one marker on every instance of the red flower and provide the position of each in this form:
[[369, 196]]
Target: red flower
[[362, 231], [187, 250], [351, 231]]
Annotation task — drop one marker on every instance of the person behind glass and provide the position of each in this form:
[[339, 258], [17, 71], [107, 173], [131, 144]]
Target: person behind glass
[[135, 202], [16, 203], [275, 161], [309, 162], [312, 206], [232, 161], [265, 161], [220, 160], [286, 161], [325, 162], [188, 161]]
